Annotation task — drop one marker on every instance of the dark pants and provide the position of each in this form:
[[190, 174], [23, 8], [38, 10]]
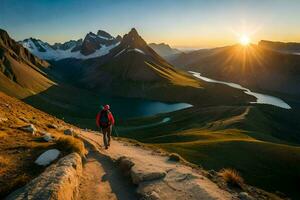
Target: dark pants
[[106, 135]]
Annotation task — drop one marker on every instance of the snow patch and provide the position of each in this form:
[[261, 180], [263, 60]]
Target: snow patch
[[137, 50], [105, 38], [47, 157], [122, 51], [59, 54], [166, 119]]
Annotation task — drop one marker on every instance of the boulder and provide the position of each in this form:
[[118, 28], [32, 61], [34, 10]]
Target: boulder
[[47, 157], [140, 174], [69, 132], [47, 137], [29, 129], [245, 196], [52, 126], [174, 157], [125, 164], [151, 196]]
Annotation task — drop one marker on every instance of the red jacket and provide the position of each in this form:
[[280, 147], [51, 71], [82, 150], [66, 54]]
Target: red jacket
[[110, 117]]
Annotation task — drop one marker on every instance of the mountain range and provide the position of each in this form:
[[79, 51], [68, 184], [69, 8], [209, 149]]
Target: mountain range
[[132, 61], [93, 45], [134, 69]]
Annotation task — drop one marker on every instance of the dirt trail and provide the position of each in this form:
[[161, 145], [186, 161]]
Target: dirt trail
[[102, 180], [155, 176]]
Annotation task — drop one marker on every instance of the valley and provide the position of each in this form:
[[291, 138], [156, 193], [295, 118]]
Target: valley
[[210, 122]]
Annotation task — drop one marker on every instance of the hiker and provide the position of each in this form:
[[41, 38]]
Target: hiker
[[105, 120]]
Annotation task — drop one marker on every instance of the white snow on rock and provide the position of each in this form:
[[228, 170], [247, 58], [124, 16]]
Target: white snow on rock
[[58, 54], [47, 157], [105, 38], [129, 50], [136, 50], [166, 119], [122, 51]]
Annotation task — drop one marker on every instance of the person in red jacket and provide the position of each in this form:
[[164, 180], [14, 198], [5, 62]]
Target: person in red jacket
[[105, 120]]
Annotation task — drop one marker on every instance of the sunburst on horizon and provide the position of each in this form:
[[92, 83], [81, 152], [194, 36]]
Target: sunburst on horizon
[[244, 40]]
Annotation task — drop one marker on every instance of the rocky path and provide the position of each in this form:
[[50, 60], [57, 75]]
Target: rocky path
[[154, 176], [102, 180]]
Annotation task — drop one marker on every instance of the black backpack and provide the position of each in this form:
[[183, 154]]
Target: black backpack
[[104, 119]]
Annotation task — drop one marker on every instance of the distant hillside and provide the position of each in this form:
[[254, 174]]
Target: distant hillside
[[164, 50], [252, 66], [93, 45], [288, 47], [21, 73]]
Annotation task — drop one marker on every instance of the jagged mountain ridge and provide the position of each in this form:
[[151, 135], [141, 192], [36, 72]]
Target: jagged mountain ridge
[[132, 60], [93, 45]]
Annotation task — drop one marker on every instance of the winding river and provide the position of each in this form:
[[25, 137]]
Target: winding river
[[260, 98]]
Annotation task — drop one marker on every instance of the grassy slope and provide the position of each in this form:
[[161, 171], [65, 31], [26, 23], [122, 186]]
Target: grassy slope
[[11, 88], [28, 81], [21, 73], [18, 149], [249, 139]]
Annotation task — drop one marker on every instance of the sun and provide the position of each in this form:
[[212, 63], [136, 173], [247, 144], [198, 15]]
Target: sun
[[244, 40]]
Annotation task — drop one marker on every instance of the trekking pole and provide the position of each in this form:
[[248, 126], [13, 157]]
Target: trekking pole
[[116, 132]]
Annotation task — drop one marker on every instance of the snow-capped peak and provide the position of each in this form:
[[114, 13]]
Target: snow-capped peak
[[93, 45]]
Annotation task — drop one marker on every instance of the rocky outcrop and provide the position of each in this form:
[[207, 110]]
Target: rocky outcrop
[[52, 126], [245, 196], [140, 173], [60, 181], [29, 129], [47, 137], [68, 132], [168, 182], [145, 173]]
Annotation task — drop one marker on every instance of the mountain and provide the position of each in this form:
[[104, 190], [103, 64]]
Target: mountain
[[164, 50], [288, 47], [133, 61], [21, 73], [134, 69], [72, 44], [93, 45], [253, 66]]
